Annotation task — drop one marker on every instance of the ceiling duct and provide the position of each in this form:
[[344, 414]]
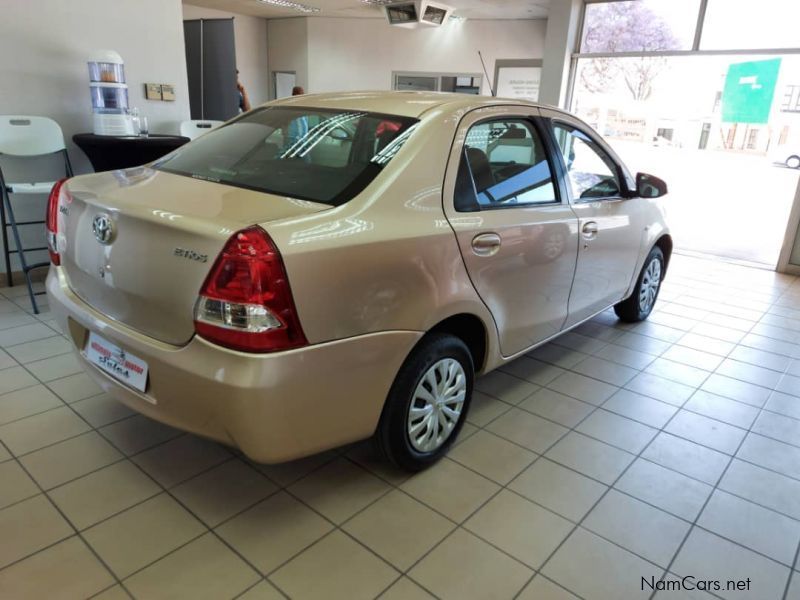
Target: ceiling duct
[[417, 13]]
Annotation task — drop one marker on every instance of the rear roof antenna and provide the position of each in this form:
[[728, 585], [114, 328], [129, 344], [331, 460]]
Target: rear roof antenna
[[485, 72]]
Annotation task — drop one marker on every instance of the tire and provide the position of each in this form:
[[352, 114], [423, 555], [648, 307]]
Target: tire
[[793, 162], [437, 358], [638, 306]]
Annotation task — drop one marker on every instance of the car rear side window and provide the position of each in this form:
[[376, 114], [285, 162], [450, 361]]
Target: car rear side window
[[506, 164], [322, 155]]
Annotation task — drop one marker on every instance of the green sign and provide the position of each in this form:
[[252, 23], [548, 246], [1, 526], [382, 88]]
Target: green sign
[[749, 89]]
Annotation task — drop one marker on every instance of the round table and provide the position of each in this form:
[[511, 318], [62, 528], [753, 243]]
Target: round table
[[110, 152]]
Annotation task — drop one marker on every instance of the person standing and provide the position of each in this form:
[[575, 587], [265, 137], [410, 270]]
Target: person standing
[[244, 100], [298, 128]]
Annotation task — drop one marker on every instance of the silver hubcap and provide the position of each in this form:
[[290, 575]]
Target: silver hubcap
[[436, 406], [650, 282]]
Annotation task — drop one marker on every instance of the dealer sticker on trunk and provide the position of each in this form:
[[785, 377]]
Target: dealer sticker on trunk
[[115, 361]]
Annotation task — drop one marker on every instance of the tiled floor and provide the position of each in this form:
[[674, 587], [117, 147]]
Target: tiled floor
[[619, 452]]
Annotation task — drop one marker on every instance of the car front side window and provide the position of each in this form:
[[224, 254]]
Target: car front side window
[[504, 164], [591, 173]]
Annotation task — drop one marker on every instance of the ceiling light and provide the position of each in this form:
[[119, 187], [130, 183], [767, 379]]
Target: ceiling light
[[305, 8]]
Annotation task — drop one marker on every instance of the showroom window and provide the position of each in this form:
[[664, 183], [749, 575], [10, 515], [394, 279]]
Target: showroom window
[[743, 24], [506, 163], [639, 26], [722, 77], [591, 172]]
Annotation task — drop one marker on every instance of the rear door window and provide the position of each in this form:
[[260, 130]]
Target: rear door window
[[504, 164]]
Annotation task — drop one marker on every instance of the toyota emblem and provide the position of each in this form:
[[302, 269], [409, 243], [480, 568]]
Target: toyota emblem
[[103, 228]]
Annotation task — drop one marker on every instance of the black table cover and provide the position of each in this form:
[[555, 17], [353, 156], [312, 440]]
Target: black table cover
[[109, 152]]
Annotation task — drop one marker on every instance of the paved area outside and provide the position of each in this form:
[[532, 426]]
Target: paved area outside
[[727, 204], [659, 450]]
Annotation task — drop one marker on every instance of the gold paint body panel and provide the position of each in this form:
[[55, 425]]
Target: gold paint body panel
[[369, 278]]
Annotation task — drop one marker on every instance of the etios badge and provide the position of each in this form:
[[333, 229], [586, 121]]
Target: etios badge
[[103, 228]]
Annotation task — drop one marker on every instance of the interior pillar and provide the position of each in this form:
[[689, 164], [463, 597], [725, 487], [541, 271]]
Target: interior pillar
[[560, 42]]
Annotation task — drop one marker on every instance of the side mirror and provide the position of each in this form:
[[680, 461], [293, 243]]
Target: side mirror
[[650, 186]]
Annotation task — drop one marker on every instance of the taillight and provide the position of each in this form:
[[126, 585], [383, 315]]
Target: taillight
[[53, 205], [245, 303]]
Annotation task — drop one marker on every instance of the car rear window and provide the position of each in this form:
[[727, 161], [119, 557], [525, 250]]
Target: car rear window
[[322, 155]]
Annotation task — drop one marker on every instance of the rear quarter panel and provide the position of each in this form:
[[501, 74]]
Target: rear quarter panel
[[388, 259]]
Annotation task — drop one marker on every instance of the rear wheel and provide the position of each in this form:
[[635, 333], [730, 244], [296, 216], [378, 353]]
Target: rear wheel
[[427, 403], [639, 305], [793, 162]]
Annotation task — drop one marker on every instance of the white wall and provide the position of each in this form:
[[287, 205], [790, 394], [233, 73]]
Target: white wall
[[287, 48], [361, 54], [44, 47], [251, 48]]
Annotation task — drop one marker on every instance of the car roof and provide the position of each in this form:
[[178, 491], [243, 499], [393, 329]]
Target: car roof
[[404, 103]]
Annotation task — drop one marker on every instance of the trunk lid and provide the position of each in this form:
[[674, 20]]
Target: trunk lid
[[166, 231]]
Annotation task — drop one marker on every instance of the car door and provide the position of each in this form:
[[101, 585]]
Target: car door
[[610, 220], [516, 232]]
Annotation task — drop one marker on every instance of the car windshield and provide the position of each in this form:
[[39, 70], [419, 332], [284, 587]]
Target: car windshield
[[322, 155]]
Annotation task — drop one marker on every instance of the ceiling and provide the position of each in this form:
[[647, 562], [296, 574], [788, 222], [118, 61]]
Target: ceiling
[[470, 9]]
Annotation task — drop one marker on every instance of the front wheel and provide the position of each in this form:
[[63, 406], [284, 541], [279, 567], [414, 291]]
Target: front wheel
[[427, 403], [639, 305]]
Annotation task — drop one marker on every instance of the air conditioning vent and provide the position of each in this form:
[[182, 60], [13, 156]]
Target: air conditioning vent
[[434, 15], [416, 13], [401, 14]]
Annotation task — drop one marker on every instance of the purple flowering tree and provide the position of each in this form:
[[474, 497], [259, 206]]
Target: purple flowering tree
[[625, 27]]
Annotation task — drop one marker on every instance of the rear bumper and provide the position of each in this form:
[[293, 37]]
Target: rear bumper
[[275, 407]]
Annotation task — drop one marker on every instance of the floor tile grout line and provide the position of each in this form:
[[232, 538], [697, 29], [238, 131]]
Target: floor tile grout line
[[577, 525], [612, 486], [711, 493], [554, 582], [601, 406], [708, 499], [490, 498], [146, 475], [52, 408], [124, 459], [196, 517], [678, 408], [620, 491], [337, 526], [791, 573], [260, 581], [592, 411], [388, 587], [76, 532], [108, 589], [543, 455]]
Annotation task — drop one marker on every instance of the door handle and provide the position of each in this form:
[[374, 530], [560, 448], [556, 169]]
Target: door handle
[[589, 230], [486, 244]]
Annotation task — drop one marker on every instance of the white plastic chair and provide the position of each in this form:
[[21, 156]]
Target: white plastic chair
[[194, 129], [26, 137]]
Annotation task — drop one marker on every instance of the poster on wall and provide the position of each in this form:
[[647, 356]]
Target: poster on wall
[[519, 82]]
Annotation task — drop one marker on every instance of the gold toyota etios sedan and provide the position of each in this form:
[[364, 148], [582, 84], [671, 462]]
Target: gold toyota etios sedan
[[327, 268]]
